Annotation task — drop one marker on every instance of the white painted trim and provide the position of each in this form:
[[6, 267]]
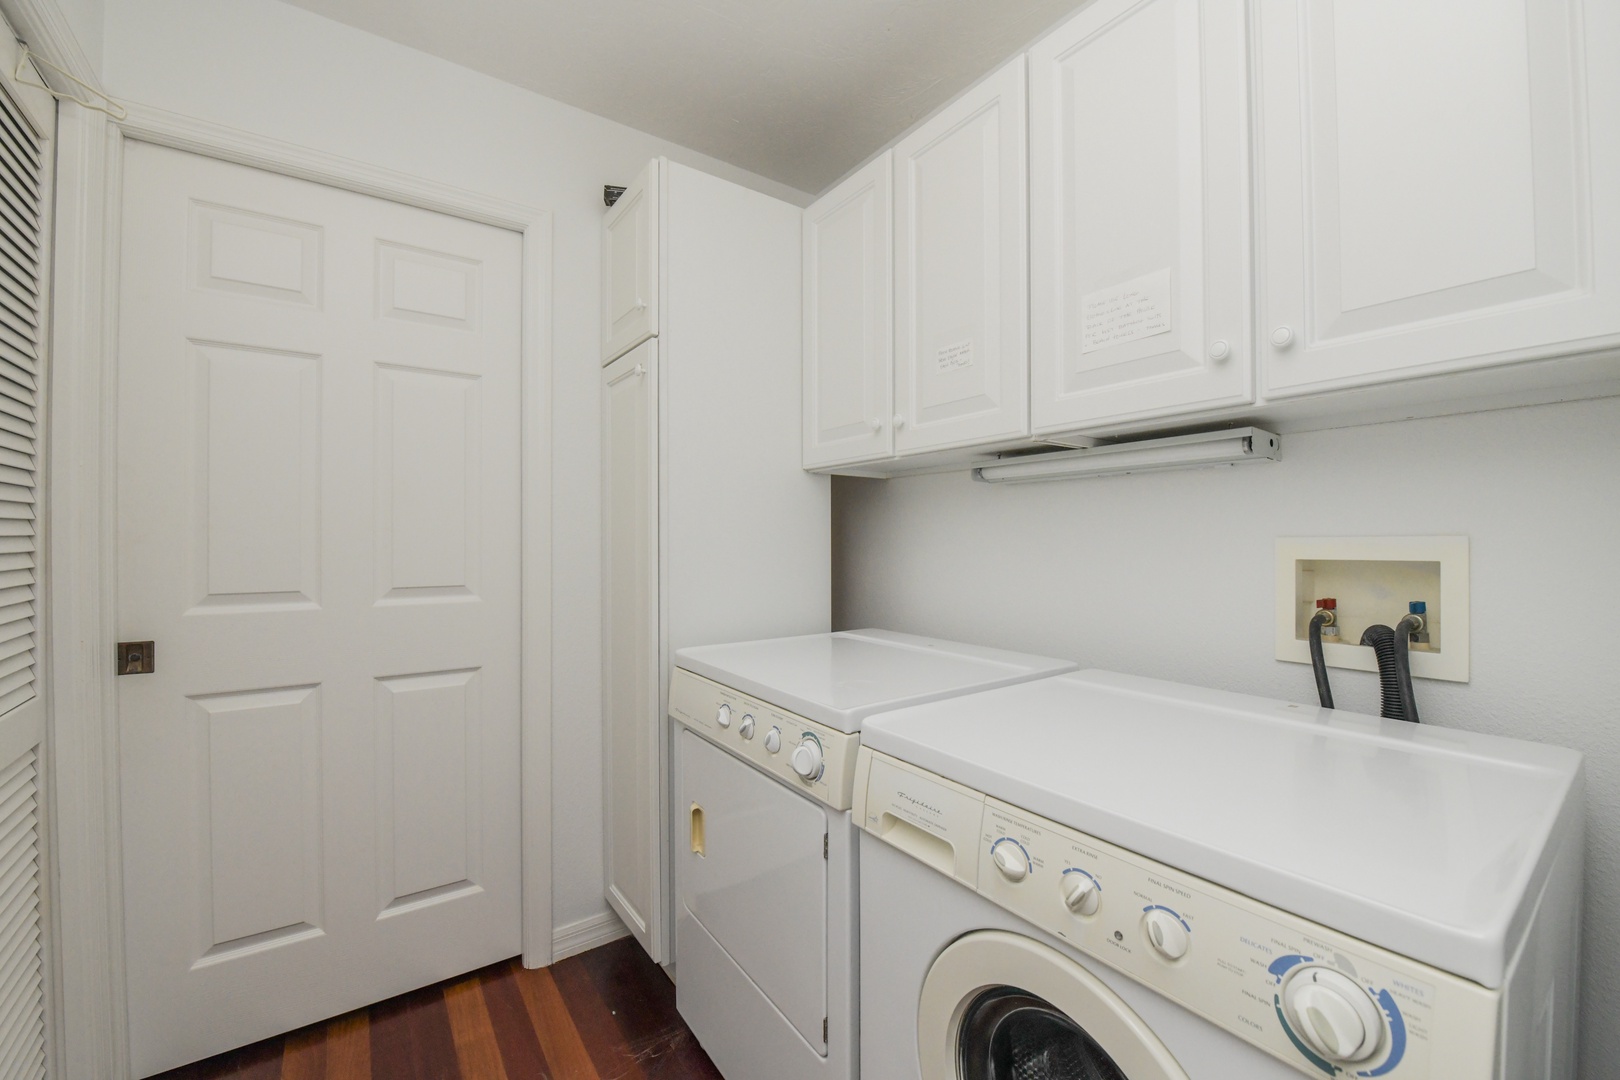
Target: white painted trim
[[583, 935], [81, 554], [83, 484]]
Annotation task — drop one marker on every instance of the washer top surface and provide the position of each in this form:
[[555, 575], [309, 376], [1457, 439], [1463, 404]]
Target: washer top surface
[[1427, 841], [840, 679]]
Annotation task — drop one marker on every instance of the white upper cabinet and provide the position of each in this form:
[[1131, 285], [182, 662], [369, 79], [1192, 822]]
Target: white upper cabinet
[[630, 267], [848, 319], [961, 296], [1139, 214], [1440, 185]]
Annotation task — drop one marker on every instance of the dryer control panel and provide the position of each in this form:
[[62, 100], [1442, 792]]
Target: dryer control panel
[[811, 757], [1326, 1003]]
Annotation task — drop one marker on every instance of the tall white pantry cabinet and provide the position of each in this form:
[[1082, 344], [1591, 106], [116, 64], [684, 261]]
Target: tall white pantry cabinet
[[712, 532]]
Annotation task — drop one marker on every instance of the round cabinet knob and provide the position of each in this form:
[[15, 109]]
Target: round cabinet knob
[[1009, 859], [1219, 351], [773, 740], [1282, 337], [1080, 893], [806, 759], [1337, 1017], [875, 424], [899, 422], [723, 716], [746, 727], [1166, 934]]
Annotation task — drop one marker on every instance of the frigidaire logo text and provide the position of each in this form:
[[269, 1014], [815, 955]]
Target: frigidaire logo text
[[918, 803]]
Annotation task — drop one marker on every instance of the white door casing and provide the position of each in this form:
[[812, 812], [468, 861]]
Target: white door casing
[[319, 522], [630, 272], [961, 271], [848, 320], [1139, 214], [1439, 186], [632, 722]]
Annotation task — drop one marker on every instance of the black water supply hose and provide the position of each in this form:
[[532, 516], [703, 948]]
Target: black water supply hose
[[1323, 617], [1394, 667]]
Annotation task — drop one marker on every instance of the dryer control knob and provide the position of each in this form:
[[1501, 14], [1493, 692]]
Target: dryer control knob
[[1166, 933], [746, 727], [722, 716], [807, 759], [773, 740], [1010, 860], [1335, 1016], [1080, 893]]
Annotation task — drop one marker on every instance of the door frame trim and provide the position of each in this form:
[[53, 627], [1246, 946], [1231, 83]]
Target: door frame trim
[[82, 548]]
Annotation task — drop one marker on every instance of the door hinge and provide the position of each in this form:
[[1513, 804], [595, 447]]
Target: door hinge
[[824, 1031], [823, 845]]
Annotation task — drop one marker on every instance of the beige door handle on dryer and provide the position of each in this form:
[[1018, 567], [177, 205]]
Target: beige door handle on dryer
[[697, 831]]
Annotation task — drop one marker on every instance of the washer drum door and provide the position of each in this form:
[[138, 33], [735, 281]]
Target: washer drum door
[[996, 1006]]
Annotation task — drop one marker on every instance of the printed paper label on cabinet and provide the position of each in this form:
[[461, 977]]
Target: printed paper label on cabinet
[[951, 357], [1135, 309]]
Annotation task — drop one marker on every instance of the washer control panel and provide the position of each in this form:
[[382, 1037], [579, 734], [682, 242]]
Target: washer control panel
[[814, 758], [1326, 1003]]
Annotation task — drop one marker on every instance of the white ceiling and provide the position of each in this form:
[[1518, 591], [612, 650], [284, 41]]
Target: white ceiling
[[800, 91]]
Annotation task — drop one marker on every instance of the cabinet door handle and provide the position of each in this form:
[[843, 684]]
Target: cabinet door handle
[[1282, 337], [634, 373], [875, 424], [899, 422], [698, 840], [1219, 351]]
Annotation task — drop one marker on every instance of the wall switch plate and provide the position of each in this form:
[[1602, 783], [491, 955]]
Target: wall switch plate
[[1373, 578]]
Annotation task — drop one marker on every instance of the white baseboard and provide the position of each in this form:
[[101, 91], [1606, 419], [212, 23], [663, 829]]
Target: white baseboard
[[585, 934]]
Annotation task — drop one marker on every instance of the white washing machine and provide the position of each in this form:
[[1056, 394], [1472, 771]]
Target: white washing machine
[[766, 942], [1099, 876]]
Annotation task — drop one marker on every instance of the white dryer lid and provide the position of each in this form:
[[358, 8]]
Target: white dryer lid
[[1430, 842], [840, 679]]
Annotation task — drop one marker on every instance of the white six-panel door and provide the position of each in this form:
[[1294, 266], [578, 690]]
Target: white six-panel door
[[961, 293], [1440, 185], [848, 320], [1139, 222], [318, 525]]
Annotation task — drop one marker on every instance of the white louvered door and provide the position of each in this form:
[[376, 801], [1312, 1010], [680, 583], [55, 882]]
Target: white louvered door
[[318, 429], [27, 118]]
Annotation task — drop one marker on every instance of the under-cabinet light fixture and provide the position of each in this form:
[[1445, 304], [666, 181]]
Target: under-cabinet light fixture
[[1232, 447]]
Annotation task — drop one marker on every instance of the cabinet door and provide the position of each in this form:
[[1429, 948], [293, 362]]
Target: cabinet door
[[632, 774], [848, 316], [630, 266], [1441, 185], [1139, 219], [961, 285]]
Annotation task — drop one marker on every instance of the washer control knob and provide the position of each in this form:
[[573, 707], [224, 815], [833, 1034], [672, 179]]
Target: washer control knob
[[773, 740], [1009, 859], [1337, 1017], [1080, 893], [723, 716], [746, 727], [1166, 933], [806, 759]]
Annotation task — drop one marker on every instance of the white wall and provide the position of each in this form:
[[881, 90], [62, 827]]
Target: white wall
[[1170, 575], [276, 70]]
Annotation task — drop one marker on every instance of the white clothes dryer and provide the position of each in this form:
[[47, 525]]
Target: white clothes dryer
[[1099, 876], [766, 941]]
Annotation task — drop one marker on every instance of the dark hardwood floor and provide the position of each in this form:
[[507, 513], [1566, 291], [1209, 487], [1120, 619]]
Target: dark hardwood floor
[[603, 1015]]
